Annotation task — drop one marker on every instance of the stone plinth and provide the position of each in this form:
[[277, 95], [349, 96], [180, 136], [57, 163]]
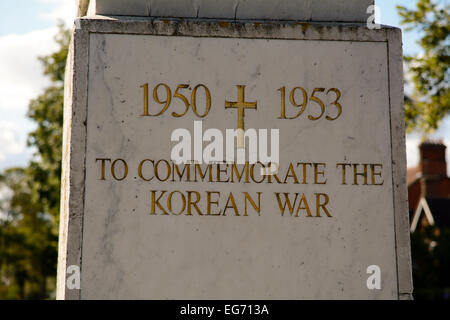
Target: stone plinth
[[302, 10], [334, 92]]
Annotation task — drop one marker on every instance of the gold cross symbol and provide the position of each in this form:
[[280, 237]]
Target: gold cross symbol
[[241, 105]]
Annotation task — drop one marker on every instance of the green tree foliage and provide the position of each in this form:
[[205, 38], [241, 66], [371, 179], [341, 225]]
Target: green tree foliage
[[47, 112], [429, 71], [29, 197], [28, 244]]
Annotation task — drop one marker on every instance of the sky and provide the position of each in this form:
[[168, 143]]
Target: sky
[[27, 28]]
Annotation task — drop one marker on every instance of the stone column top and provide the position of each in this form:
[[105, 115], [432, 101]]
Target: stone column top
[[300, 10]]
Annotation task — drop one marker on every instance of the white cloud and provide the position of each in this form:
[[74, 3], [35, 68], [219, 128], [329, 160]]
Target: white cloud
[[21, 80], [60, 10], [21, 76], [12, 140], [412, 152]]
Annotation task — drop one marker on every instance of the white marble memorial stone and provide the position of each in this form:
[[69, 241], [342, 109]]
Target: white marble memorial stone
[[138, 226]]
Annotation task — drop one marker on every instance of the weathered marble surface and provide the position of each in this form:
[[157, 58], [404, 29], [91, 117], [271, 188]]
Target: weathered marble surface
[[305, 10], [126, 253]]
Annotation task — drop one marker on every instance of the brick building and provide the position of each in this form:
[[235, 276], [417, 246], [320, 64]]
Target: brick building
[[429, 188]]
